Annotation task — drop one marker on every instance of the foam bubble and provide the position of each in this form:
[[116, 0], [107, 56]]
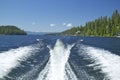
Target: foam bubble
[[10, 59], [105, 60], [57, 65]]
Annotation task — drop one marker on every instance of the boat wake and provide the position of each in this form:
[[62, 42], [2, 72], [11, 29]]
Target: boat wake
[[11, 59], [95, 63], [58, 67], [103, 60]]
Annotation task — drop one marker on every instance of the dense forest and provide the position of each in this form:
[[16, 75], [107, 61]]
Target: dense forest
[[11, 30], [103, 26]]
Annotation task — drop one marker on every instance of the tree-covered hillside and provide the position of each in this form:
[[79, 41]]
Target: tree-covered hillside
[[11, 30], [103, 26]]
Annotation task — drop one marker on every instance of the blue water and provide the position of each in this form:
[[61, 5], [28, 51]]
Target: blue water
[[91, 58]]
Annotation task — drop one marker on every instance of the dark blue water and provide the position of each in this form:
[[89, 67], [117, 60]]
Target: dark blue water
[[31, 56]]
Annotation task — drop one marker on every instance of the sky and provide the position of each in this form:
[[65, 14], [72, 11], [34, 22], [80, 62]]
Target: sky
[[53, 15]]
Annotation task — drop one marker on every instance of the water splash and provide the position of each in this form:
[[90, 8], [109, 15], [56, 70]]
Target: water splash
[[57, 67], [10, 59], [108, 62]]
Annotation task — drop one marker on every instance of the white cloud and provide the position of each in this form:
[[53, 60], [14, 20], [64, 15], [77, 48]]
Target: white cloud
[[64, 24], [33, 23], [69, 25], [52, 25]]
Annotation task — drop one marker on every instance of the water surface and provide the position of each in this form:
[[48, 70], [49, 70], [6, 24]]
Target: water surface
[[59, 58]]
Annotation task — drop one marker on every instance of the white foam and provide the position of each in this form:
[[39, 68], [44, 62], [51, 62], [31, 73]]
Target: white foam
[[11, 58], [70, 72], [56, 66], [43, 74], [105, 60], [29, 75]]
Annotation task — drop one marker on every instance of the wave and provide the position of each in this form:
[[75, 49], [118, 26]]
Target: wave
[[57, 67], [11, 59], [108, 62]]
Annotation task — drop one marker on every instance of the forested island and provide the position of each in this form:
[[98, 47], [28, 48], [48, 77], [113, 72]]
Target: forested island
[[11, 30], [103, 26]]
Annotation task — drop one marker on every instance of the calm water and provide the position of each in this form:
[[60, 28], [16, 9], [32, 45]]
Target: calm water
[[59, 58]]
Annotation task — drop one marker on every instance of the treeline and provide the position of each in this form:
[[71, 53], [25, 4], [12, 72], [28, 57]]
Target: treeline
[[103, 26], [11, 30]]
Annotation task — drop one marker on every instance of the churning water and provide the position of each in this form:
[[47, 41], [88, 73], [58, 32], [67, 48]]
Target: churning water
[[11, 58], [58, 67], [66, 58]]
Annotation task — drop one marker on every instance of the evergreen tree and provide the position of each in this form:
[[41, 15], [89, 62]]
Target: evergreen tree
[[102, 26], [11, 30]]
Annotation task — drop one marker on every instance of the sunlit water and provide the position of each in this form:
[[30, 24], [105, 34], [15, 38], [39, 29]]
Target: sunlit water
[[58, 66], [57, 59]]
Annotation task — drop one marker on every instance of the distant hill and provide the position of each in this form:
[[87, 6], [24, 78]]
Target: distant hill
[[103, 26], [11, 30], [36, 33]]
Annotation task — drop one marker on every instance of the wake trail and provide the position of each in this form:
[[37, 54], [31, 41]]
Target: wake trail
[[11, 59], [58, 67], [108, 62]]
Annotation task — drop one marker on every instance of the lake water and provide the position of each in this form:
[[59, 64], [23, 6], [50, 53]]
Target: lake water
[[36, 57]]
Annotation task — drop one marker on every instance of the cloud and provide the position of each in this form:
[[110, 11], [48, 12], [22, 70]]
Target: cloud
[[64, 24], [69, 25], [52, 25], [33, 23]]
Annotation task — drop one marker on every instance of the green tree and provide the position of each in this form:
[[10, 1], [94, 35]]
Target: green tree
[[11, 30], [103, 26]]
